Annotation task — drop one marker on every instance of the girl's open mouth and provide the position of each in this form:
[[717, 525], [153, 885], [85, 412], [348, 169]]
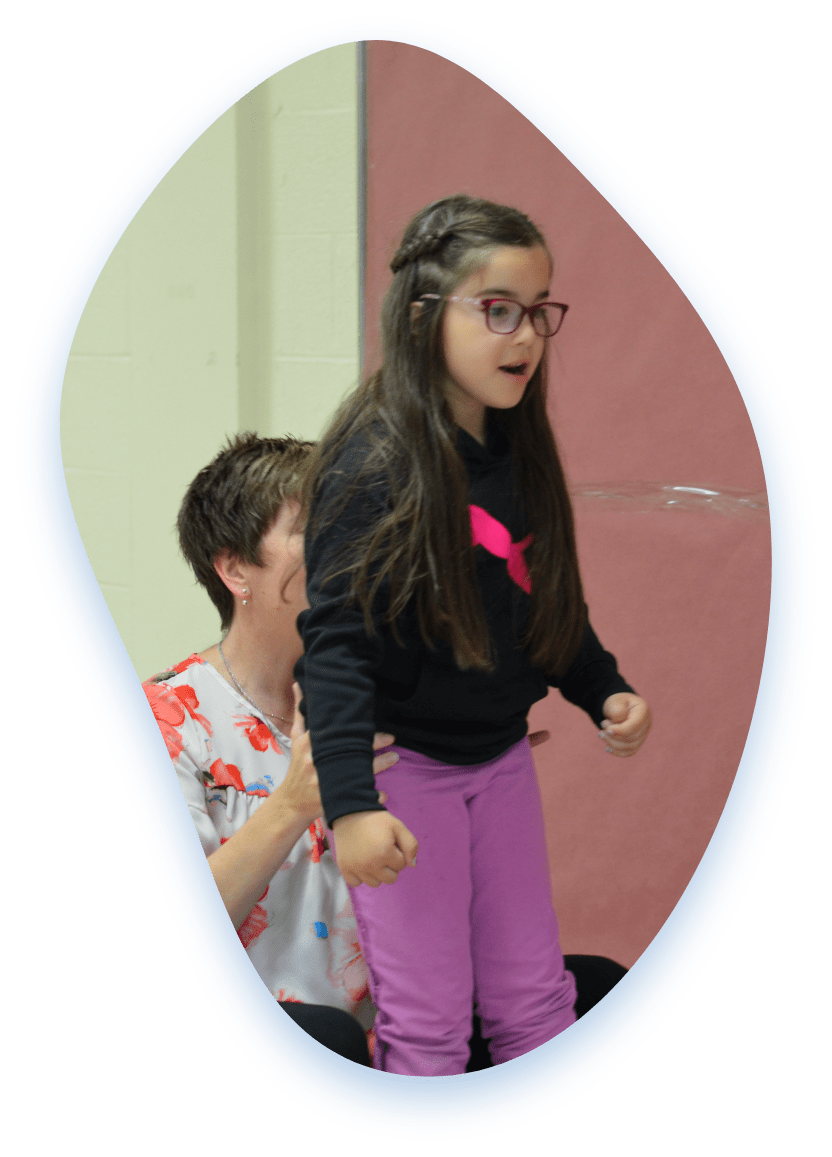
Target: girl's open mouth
[[516, 370]]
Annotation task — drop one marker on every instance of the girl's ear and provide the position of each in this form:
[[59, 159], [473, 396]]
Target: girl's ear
[[232, 571], [415, 313]]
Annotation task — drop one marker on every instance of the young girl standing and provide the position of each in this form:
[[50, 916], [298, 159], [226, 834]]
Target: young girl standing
[[445, 599]]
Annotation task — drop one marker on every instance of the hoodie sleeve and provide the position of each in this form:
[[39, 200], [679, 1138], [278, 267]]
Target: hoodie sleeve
[[337, 670], [591, 677]]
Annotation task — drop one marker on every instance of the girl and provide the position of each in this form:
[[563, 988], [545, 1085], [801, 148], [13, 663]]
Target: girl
[[445, 598]]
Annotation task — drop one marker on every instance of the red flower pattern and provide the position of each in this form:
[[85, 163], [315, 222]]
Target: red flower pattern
[[253, 925], [226, 775], [186, 663], [354, 974], [187, 697], [259, 735], [169, 714], [316, 831]]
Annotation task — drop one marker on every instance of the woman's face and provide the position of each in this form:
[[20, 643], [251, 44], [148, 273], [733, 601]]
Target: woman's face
[[279, 584]]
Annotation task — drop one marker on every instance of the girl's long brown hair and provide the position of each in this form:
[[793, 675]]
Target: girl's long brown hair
[[420, 549]]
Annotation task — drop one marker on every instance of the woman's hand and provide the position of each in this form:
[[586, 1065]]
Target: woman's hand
[[372, 848], [626, 723], [384, 759], [299, 790], [245, 863]]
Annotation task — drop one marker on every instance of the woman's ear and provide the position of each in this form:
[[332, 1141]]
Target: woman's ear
[[415, 314], [232, 571]]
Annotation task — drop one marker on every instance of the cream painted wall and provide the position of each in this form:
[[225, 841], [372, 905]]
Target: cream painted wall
[[230, 302]]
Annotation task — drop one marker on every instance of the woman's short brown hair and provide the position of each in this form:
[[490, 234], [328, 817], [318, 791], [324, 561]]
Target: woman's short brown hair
[[233, 501]]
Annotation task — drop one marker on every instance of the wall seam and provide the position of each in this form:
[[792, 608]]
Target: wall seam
[[361, 108]]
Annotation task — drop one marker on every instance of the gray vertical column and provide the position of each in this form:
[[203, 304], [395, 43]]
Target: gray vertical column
[[361, 112], [254, 262]]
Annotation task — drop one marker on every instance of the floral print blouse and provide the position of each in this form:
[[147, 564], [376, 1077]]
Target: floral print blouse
[[301, 934]]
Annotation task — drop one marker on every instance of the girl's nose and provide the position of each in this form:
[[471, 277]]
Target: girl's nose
[[525, 331]]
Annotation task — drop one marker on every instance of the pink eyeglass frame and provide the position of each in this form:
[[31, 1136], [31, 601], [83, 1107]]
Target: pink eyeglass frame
[[487, 302]]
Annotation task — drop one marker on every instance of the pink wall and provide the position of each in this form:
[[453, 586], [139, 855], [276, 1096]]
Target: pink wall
[[639, 397]]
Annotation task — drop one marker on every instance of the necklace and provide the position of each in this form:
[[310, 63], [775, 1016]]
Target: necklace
[[245, 694]]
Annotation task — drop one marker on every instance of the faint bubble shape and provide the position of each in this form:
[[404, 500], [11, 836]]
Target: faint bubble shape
[[644, 497]]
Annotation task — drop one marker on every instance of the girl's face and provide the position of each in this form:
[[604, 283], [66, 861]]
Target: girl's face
[[490, 369]]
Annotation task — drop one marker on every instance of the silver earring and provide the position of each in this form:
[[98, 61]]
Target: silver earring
[[245, 592]]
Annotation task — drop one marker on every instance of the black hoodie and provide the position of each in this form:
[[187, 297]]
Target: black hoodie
[[355, 684]]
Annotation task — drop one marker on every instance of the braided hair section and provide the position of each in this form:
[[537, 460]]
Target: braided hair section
[[418, 247], [454, 226]]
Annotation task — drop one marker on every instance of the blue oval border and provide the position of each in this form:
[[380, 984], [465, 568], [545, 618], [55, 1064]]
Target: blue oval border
[[525, 1089]]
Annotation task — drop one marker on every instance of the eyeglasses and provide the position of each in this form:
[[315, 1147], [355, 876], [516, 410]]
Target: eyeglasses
[[503, 315]]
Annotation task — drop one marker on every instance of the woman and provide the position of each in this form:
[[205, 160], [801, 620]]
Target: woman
[[240, 750]]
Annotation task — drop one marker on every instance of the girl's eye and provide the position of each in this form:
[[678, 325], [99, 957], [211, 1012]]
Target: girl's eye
[[498, 310]]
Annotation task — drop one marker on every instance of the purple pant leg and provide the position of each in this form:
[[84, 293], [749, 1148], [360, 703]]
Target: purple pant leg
[[415, 933], [524, 994]]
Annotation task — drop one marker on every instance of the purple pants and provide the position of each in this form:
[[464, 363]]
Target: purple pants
[[473, 921]]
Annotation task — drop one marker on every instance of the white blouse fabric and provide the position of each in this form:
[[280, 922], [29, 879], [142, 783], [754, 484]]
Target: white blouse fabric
[[301, 934]]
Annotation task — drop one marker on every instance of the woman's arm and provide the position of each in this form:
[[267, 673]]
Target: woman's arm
[[243, 866]]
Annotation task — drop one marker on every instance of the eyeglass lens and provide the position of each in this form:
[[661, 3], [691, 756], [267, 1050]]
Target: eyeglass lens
[[506, 316]]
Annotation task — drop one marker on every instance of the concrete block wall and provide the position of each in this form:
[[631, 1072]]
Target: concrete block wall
[[230, 302], [314, 220]]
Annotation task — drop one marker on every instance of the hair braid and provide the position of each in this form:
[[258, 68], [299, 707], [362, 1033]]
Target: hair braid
[[423, 246]]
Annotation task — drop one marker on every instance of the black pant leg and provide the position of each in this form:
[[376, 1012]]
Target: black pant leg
[[480, 1056], [595, 976], [335, 1029]]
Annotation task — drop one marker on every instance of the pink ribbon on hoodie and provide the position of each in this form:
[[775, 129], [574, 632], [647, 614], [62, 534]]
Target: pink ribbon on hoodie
[[487, 531]]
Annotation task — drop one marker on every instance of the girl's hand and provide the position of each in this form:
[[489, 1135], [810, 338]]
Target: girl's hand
[[372, 848], [626, 723], [299, 790]]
